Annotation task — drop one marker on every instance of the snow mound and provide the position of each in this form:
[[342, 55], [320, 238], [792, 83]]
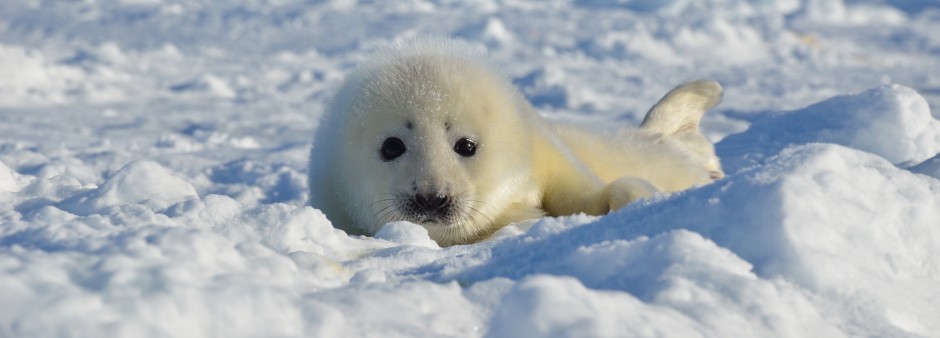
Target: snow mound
[[802, 221], [548, 306], [636, 5], [33, 77], [207, 84], [29, 76], [679, 278], [492, 31], [140, 182], [409, 309], [289, 230], [891, 121], [406, 233], [201, 271], [10, 180]]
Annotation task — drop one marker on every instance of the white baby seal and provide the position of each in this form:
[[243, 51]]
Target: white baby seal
[[426, 132]]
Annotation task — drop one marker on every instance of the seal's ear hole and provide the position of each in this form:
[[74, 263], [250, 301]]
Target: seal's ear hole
[[392, 148], [465, 147]]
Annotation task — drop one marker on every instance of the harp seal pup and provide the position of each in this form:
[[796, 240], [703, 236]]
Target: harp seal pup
[[427, 132]]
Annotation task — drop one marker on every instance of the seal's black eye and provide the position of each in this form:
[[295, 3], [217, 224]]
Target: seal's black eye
[[392, 148], [465, 147]]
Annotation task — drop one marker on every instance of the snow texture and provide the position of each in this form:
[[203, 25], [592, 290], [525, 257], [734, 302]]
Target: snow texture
[[153, 173]]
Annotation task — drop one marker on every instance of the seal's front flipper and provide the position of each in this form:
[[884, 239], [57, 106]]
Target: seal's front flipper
[[626, 190]]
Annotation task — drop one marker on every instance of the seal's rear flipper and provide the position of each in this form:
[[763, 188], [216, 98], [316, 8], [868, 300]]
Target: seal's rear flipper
[[682, 108], [677, 115]]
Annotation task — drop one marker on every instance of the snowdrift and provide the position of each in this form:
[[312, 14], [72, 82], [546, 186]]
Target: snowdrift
[[152, 176]]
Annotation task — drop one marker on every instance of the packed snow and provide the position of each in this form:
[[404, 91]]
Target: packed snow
[[153, 173]]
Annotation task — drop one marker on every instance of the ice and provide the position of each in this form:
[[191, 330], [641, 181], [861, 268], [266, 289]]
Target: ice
[[153, 173]]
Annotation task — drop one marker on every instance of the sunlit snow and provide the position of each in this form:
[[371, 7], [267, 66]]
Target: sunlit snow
[[153, 158]]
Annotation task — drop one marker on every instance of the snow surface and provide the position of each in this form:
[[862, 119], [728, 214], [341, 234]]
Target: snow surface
[[153, 157]]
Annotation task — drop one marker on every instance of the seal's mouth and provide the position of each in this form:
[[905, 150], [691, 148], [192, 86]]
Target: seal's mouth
[[431, 222], [437, 219]]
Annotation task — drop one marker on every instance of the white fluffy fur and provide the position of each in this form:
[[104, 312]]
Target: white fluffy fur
[[524, 167]]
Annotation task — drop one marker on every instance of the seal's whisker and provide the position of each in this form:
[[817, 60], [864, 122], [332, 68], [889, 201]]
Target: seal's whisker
[[386, 216], [380, 201], [385, 208], [490, 220]]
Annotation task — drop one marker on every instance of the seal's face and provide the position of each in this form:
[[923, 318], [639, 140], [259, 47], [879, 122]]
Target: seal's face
[[434, 143]]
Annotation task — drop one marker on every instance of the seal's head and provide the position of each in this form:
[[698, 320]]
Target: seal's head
[[425, 133]]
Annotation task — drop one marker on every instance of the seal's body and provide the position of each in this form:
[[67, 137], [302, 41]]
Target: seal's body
[[427, 133]]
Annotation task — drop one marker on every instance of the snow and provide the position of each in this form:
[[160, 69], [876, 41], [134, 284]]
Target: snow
[[891, 121], [929, 167], [406, 233], [140, 182], [10, 180], [751, 245], [153, 173]]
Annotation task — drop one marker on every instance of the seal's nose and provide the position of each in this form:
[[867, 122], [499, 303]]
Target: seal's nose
[[432, 201]]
